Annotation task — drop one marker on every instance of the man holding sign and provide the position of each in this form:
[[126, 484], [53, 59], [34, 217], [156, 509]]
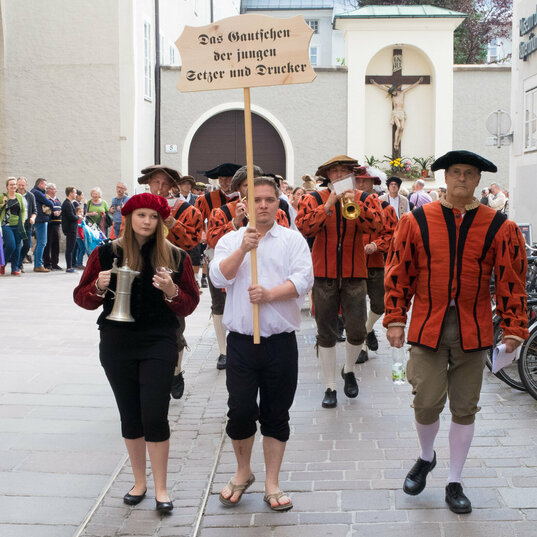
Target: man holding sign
[[271, 367]]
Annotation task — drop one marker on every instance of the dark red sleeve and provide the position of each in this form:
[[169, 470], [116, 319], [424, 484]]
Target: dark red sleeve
[[189, 296], [84, 293]]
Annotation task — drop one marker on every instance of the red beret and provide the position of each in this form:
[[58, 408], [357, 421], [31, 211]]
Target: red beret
[[147, 201]]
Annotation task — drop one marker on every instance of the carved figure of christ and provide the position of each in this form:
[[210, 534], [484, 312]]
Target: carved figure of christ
[[393, 86]]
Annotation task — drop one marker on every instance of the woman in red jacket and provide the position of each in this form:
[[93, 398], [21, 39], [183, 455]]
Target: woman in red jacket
[[139, 357]]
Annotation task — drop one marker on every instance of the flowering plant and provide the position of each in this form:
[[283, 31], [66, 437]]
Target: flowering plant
[[402, 167]]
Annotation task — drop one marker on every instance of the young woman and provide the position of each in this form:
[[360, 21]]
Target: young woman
[[12, 216], [139, 357]]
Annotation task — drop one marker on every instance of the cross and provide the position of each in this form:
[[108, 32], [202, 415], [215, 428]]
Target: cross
[[397, 79]]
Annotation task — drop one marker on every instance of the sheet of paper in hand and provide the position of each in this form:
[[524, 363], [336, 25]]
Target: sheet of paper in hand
[[500, 358]]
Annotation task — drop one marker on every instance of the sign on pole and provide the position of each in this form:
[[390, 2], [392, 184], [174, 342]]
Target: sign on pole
[[246, 51]]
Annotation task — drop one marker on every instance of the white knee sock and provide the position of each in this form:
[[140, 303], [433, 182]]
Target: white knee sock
[[460, 439], [427, 435], [220, 333], [351, 353], [372, 318], [327, 356], [179, 366]]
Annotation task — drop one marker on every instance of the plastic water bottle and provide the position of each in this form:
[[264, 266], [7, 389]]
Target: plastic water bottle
[[398, 365]]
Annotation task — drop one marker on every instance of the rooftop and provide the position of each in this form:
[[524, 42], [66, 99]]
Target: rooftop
[[250, 5], [404, 12]]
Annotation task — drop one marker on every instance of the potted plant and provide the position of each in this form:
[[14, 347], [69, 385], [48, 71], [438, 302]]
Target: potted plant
[[372, 161], [424, 164]]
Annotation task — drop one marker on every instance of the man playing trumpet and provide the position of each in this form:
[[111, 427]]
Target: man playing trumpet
[[339, 265]]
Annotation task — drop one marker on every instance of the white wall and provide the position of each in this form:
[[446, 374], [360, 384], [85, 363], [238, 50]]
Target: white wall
[[62, 91], [434, 37], [523, 165]]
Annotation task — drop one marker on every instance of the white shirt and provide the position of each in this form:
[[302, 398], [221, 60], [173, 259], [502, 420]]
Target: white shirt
[[394, 202], [282, 255]]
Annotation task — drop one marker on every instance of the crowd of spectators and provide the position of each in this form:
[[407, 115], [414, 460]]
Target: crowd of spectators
[[33, 221]]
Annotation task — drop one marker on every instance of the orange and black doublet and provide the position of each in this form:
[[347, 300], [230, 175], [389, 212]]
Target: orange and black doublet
[[381, 239], [338, 250], [210, 201], [220, 222], [442, 257], [186, 233]]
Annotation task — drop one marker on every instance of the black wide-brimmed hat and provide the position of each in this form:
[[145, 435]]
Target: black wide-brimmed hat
[[463, 157], [223, 170], [394, 179]]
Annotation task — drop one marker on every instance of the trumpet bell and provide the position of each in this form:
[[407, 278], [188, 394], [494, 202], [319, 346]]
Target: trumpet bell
[[350, 209]]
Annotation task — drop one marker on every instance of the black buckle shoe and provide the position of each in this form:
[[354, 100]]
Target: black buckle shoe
[[131, 499], [351, 386], [362, 357], [164, 507], [221, 362], [457, 500], [178, 386], [329, 399], [371, 341], [416, 479], [204, 281]]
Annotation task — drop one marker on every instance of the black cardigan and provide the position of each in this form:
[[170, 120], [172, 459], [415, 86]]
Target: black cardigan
[[69, 218]]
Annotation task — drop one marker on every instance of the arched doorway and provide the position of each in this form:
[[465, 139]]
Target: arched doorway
[[221, 139]]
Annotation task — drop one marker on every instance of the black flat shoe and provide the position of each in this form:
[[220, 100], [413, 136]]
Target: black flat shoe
[[362, 357], [131, 499], [164, 507], [329, 399], [221, 362], [457, 500], [416, 479], [351, 386], [178, 386], [371, 341]]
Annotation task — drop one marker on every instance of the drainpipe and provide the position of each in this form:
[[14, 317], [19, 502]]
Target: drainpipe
[[157, 83]]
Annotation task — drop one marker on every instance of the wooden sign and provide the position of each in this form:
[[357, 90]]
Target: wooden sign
[[245, 51]]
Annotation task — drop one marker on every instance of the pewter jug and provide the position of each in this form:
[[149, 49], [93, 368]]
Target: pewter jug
[[122, 295]]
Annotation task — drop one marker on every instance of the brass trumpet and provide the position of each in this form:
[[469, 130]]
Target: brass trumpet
[[349, 208]]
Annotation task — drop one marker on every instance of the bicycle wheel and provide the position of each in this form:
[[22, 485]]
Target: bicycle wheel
[[527, 364], [509, 374]]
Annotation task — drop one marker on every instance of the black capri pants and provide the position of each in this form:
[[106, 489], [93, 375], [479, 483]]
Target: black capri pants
[[139, 365], [271, 369]]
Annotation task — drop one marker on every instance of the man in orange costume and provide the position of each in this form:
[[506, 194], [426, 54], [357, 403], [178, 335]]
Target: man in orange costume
[[206, 204], [443, 254], [339, 268], [234, 215], [376, 247], [184, 230]]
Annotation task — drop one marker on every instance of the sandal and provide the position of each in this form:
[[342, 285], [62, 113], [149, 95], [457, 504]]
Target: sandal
[[236, 488], [276, 496]]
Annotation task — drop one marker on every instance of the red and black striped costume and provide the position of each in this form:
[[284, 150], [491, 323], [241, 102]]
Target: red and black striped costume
[[210, 201], [338, 250], [220, 222], [438, 256], [381, 239], [186, 233]]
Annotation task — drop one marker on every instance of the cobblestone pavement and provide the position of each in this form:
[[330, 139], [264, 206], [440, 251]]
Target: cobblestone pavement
[[343, 467]]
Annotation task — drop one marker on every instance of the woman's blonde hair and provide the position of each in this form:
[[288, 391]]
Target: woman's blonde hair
[[161, 255]]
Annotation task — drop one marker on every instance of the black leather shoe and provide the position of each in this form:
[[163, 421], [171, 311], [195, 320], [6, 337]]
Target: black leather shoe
[[456, 499], [415, 480], [371, 341], [330, 399], [131, 499], [221, 362], [204, 281], [178, 386], [340, 329], [351, 386], [362, 357], [164, 507]]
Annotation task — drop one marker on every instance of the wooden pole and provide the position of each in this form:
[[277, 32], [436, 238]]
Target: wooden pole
[[251, 203]]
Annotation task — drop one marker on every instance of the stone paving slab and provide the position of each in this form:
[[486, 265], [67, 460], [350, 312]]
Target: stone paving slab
[[343, 467]]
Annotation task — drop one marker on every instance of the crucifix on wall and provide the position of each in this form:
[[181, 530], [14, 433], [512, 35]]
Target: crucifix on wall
[[393, 86]]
